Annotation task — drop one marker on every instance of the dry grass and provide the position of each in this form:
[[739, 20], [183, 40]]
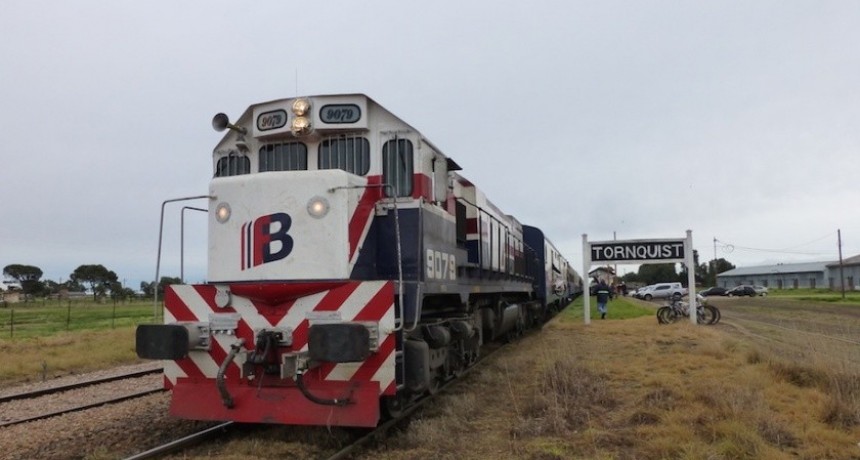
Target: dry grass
[[618, 389], [634, 390], [26, 360]]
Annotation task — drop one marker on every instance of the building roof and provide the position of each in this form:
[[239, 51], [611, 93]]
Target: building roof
[[604, 269], [853, 260], [805, 267], [8, 285]]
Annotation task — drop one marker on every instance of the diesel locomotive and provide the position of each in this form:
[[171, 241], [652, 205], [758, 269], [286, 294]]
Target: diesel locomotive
[[352, 268]]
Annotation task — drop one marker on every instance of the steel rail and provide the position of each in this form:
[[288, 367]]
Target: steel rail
[[74, 386], [182, 443], [82, 408]]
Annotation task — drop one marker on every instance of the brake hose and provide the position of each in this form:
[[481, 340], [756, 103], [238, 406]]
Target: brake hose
[[325, 402]]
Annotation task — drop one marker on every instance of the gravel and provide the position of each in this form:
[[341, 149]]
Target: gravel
[[109, 431]]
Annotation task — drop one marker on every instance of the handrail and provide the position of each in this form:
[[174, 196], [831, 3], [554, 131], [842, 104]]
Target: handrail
[[182, 240], [160, 238]]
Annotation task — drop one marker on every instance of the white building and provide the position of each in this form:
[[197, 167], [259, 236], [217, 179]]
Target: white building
[[811, 275]]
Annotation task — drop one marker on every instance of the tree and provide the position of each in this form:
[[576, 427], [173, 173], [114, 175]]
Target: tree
[[700, 275], [148, 288], [630, 277], [167, 281], [98, 278], [28, 276], [658, 273], [722, 265]]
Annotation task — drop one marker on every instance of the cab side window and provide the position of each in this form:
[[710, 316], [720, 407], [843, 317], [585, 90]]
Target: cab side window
[[397, 167], [233, 165]]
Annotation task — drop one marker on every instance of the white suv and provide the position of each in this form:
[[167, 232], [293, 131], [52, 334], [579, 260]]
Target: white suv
[[665, 291]]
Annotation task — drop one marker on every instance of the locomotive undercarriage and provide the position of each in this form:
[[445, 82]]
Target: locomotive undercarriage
[[449, 338]]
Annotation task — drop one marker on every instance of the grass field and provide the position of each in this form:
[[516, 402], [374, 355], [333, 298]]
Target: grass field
[[42, 340], [618, 308], [768, 382], [627, 387]]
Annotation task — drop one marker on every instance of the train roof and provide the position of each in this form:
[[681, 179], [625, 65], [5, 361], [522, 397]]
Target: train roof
[[248, 114]]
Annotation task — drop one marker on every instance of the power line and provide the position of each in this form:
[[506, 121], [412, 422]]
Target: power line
[[828, 235], [728, 247]]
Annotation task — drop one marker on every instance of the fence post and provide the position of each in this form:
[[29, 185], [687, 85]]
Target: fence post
[[69, 316], [12, 323]]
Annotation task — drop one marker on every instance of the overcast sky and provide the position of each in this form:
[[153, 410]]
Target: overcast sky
[[737, 120]]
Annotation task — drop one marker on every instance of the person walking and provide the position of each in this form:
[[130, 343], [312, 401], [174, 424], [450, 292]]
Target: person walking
[[603, 294]]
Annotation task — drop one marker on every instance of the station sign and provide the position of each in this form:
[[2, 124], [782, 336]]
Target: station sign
[[638, 251]]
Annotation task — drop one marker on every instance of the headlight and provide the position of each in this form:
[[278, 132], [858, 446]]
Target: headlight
[[301, 107], [318, 207], [300, 125], [222, 212]]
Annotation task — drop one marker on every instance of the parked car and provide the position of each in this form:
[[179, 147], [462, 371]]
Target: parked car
[[760, 290], [665, 291], [640, 292], [715, 290], [741, 291]]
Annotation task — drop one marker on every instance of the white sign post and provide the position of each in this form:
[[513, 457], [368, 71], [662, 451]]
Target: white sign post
[[638, 252]]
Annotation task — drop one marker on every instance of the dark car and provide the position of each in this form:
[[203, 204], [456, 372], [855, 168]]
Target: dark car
[[716, 290], [741, 291]]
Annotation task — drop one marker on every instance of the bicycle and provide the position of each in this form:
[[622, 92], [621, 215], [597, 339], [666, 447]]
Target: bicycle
[[677, 309]]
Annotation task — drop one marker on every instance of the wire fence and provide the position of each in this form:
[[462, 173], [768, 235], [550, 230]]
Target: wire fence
[[47, 317]]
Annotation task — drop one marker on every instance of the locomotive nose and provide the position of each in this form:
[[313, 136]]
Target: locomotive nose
[[291, 225]]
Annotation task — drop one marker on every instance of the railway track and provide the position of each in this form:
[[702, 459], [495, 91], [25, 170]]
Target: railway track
[[76, 385], [195, 439], [184, 442], [386, 426], [45, 392]]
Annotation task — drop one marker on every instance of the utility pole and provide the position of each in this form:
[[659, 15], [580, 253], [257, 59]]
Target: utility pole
[[841, 270], [714, 268]]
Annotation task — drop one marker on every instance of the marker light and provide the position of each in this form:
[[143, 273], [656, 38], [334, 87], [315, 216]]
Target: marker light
[[300, 125], [301, 107], [222, 212], [318, 207]]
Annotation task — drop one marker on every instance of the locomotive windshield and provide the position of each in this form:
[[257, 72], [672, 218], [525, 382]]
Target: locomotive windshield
[[351, 154], [287, 156]]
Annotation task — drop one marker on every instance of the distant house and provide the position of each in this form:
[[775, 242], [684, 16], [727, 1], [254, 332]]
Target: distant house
[[850, 272], [6, 286], [603, 273], [10, 291], [812, 275]]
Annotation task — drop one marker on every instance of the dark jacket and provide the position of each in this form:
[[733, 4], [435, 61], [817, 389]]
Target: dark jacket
[[603, 293]]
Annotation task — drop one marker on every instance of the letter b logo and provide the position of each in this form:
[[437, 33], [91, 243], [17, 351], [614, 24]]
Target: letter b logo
[[266, 240]]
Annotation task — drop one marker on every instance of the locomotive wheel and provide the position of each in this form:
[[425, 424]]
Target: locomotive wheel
[[393, 406], [435, 384]]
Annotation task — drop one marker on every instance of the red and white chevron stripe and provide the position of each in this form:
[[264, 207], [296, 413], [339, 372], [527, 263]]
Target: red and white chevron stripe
[[371, 301], [270, 399]]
